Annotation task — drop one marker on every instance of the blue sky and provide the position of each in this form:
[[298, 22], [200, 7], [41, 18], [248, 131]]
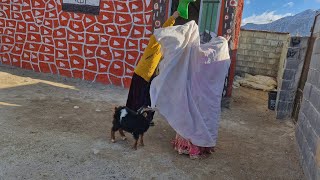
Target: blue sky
[[264, 11]]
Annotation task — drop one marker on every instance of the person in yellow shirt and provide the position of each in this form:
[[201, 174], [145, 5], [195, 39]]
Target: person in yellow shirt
[[145, 71]]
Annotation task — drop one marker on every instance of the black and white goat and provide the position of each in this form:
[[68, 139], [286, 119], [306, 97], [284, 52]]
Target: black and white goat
[[136, 123]]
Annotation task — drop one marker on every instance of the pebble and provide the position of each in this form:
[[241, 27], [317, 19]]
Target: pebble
[[76, 107]]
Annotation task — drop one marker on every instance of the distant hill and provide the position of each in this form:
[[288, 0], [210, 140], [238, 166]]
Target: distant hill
[[297, 25]]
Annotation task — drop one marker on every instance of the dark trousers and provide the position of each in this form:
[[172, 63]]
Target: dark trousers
[[139, 94]]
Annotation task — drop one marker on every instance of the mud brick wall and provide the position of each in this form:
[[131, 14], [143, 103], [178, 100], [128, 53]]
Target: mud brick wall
[[291, 72], [40, 36], [308, 126], [261, 53]]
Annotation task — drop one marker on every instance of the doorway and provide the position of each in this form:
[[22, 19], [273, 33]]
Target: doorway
[[205, 13]]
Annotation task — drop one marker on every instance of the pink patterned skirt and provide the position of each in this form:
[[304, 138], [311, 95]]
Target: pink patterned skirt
[[184, 146]]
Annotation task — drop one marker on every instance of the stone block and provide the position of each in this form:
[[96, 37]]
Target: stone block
[[262, 35], [269, 49], [251, 40], [274, 55], [243, 40], [250, 52], [265, 42], [284, 37], [279, 49], [240, 51], [315, 61], [244, 33], [263, 54], [272, 61], [240, 56], [287, 85], [257, 47], [276, 43], [272, 36]]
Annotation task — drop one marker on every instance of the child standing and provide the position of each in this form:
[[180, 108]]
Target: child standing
[[144, 72]]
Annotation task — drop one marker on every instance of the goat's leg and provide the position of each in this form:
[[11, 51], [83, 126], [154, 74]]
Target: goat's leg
[[141, 140], [136, 137], [122, 134], [113, 132], [113, 137]]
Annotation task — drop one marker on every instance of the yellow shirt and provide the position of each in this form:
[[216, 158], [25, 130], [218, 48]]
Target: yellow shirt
[[151, 56]]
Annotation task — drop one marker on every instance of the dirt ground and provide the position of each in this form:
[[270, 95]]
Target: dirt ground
[[58, 128]]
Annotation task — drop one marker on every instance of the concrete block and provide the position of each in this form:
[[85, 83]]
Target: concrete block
[[261, 35], [315, 61], [307, 90], [311, 165], [282, 105], [292, 63], [283, 97], [293, 53], [313, 76], [315, 98], [282, 115], [299, 134], [317, 26], [289, 74], [316, 47]]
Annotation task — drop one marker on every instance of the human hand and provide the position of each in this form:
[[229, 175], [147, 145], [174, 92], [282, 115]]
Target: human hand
[[227, 36], [175, 15]]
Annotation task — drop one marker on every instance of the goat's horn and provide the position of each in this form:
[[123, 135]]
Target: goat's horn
[[140, 110]]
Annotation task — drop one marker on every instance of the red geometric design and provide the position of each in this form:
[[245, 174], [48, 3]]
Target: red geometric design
[[135, 6], [39, 36], [90, 51], [138, 19], [123, 18], [76, 62]]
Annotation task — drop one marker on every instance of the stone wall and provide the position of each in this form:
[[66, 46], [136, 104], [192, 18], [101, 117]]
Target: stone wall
[[288, 81], [308, 126], [261, 53]]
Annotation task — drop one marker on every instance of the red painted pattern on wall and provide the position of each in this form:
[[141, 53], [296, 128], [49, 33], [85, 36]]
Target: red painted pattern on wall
[[38, 35]]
